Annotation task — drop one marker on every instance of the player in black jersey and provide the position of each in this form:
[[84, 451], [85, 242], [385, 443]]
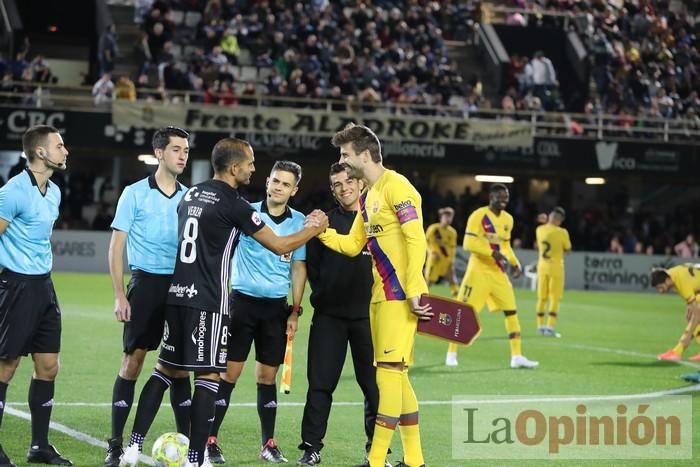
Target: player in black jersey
[[211, 216]]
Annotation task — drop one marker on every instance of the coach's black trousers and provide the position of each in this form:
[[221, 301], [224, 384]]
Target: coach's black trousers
[[328, 343]]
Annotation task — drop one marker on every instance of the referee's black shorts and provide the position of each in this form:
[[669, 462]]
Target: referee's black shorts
[[147, 294], [259, 320], [30, 318]]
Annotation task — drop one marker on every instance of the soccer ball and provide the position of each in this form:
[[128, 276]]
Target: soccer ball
[[170, 450]]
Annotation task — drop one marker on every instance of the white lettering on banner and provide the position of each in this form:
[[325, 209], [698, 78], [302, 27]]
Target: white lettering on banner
[[20, 120], [309, 123], [397, 148], [594, 271], [283, 142]]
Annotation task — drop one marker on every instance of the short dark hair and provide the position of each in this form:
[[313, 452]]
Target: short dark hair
[[229, 151], [559, 211], [362, 138], [496, 187], [658, 276], [34, 137], [288, 166], [161, 138]]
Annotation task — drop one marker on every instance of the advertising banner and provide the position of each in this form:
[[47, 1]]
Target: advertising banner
[[274, 120]]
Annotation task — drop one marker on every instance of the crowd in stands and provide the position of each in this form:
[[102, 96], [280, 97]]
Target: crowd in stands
[[361, 53], [644, 55]]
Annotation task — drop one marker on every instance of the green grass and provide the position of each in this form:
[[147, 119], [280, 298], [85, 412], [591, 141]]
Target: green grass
[[578, 363]]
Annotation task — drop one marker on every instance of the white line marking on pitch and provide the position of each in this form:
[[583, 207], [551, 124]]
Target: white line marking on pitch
[[594, 348], [75, 434]]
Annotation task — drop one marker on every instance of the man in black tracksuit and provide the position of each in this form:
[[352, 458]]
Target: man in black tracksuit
[[340, 295]]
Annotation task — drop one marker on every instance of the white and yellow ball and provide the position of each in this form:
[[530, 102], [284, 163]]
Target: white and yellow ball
[[170, 450]]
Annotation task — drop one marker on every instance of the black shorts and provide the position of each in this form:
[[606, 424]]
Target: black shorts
[[259, 320], [194, 340], [147, 294], [30, 318]]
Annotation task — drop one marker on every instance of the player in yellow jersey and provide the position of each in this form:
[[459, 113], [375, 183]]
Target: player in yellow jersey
[[442, 247], [552, 243], [486, 281], [685, 279], [390, 223]]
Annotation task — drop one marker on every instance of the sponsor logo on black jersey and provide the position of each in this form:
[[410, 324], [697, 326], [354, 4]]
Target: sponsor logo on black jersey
[[181, 290]]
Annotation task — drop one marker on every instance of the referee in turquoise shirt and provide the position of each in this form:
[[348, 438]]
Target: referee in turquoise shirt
[[259, 311], [146, 223], [30, 318]]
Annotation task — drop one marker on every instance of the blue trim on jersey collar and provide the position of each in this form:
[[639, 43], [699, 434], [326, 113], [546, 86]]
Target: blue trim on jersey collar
[[153, 185]]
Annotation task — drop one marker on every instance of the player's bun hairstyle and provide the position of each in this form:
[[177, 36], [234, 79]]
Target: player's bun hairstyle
[[229, 151], [362, 138], [559, 211], [658, 276], [446, 210], [34, 137], [496, 187], [161, 137], [288, 166]]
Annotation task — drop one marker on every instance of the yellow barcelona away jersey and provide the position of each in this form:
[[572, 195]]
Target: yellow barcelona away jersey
[[442, 240], [485, 233], [390, 222], [686, 280], [552, 243]]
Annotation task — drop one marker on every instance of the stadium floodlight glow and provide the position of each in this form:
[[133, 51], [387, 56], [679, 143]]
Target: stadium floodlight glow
[[595, 181], [148, 159], [494, 178]]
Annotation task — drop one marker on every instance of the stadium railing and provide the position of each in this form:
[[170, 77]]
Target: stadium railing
[[568, 125]]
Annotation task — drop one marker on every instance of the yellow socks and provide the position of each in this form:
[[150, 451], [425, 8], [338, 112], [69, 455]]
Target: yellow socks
[[513, 329], [408, 424], [539, 309], [390, 385], [452, 348]]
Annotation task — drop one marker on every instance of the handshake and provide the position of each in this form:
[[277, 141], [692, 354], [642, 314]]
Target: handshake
[[316, 220]]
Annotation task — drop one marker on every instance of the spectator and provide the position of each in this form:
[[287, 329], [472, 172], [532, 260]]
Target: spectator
[[688, 248], [103, 89], [107, 49], [615, 246], [125, 88]]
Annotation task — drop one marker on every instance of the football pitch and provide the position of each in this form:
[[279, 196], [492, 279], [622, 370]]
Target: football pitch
[[608, 347]]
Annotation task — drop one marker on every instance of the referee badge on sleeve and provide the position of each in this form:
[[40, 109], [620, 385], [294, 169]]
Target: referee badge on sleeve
[[287, 257], [255, 217]]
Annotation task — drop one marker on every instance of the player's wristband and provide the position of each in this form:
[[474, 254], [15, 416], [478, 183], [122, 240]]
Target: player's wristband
[[296, 308]]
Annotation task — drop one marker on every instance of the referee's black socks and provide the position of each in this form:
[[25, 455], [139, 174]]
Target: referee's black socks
[[3, 396], [40, 405], [223, 398], [267, 410], [122, 399]]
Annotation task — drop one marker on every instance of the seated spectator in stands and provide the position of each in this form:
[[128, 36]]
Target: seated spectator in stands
[[41, 72], [125, 89], [688, 248], [229, 46], [217, 57], [103, 89]]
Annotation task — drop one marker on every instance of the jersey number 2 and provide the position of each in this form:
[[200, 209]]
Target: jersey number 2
[[547, 247], [188, 247]]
